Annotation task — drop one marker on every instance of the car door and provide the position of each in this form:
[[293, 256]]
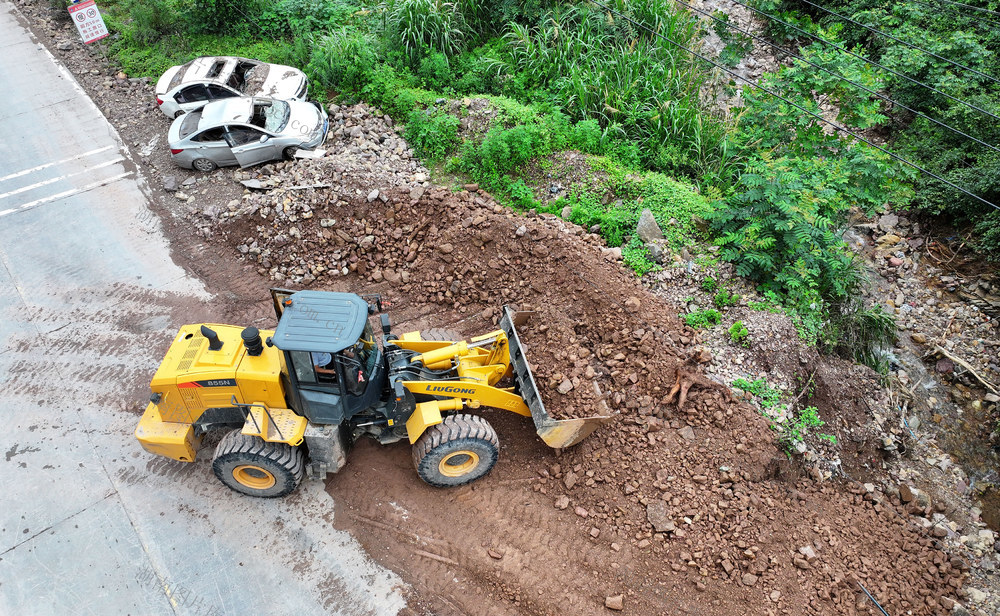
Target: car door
[[192, 97], [251, 146], [211, 144]]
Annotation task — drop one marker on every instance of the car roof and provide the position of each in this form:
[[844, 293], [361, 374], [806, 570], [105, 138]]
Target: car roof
[[208, 68], [227, 111], [321, 321]]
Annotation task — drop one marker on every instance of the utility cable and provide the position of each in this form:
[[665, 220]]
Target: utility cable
[[837, 75], [969, 6], [983, 22], [864, 59], [797, 106], [901, 41]]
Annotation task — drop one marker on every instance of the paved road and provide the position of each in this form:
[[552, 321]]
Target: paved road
[[89, 300]]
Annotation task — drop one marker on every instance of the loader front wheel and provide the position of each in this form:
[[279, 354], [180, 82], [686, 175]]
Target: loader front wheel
[[457, 451], [440, 335], [256, 467]]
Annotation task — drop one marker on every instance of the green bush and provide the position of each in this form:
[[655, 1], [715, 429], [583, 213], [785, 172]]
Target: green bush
[[343, 61], [795, 426], [703, 319], [522, 196], [431, 134], [779, 229], [636, 257], [222, 16], [434, 72], [739, 333], [709, 284], [598, 66], [303, 17], [725, 298], [861, 334]]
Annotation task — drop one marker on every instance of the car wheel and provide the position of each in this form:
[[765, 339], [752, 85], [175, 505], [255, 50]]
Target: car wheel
[[289, 153], [204, 165], [179, 113]]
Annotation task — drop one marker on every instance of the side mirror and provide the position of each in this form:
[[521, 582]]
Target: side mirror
[[264, 138]]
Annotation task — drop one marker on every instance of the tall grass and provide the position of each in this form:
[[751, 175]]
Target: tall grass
[[416, 26], [599, 67]]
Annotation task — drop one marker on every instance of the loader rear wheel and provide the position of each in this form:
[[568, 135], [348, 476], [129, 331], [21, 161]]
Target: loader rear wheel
[[256, 467], [457, 451]]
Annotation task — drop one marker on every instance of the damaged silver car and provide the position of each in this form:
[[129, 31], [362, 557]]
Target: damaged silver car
[[246, 131]]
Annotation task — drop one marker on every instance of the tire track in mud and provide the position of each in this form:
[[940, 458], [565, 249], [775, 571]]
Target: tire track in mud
[[487, 549]]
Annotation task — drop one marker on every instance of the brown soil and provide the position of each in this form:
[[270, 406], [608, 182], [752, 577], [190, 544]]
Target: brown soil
[[547, 533], [681, 511]]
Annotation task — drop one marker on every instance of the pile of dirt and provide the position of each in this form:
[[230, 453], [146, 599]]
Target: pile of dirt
[[698, 493]]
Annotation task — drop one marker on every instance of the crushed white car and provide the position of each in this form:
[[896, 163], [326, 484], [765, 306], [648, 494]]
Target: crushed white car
[[191, 86]]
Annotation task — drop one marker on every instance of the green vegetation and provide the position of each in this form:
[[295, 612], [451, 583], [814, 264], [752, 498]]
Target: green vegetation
[[768, 185], [725, 298], [791, 428], [709, 284], [959, 34], [739, 333], [431, 135], [703, 319], [738, 45]]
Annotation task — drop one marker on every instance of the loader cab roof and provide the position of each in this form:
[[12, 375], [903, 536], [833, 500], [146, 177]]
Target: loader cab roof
[[321, 321]]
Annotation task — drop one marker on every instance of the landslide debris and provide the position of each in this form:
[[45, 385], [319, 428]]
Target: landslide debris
[[699, 492]]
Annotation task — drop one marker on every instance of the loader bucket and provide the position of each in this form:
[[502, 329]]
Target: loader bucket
[[555, 432]]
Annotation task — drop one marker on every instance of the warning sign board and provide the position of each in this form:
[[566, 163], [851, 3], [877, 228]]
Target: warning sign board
[[88, 21]]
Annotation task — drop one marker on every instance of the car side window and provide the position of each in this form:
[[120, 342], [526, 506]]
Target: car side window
[[217, 92], [242, 135], [192, 94], [212, 134]]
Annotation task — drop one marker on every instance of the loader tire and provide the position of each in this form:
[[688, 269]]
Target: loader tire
[[457, 451], [252, 466], [441, 335]]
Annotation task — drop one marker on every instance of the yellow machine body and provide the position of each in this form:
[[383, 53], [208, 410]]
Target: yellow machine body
[[196, 387], [192, 379]]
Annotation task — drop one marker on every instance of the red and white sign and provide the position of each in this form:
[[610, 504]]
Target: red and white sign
[[88, 21]]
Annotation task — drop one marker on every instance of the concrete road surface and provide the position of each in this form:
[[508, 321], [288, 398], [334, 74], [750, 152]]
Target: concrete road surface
[[89, 300]]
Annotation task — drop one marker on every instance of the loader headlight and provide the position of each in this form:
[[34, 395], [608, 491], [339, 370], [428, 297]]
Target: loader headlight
[[156, 397]]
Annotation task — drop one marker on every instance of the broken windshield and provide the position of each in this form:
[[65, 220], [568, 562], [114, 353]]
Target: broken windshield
[[276, 116]]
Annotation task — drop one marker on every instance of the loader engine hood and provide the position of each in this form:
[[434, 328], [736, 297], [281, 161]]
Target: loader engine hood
[[194, 378]]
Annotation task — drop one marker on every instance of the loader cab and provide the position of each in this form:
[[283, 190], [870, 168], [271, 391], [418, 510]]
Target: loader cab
[[334, 366]]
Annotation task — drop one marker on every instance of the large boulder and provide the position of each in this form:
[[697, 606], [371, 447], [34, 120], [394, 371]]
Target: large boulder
[[647, 229]]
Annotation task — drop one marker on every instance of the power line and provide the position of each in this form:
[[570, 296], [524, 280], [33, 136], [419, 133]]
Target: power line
[[901, 41], [969, 6], [837, 75], [983, 22], [864, 59], [797, 106]]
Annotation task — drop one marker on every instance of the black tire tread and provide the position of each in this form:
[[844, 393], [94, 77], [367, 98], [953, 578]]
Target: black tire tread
[[453, 428], [438, 334], [253, 449]]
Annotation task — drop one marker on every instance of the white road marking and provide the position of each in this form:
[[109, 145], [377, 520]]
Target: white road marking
[[58, 162], [61, 177], [67, 193]]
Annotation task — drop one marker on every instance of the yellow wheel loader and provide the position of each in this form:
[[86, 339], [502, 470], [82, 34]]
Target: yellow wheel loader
[[293, 401]]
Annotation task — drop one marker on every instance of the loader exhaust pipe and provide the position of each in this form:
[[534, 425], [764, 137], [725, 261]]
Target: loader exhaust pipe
[[214, 344], [252, 342]]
